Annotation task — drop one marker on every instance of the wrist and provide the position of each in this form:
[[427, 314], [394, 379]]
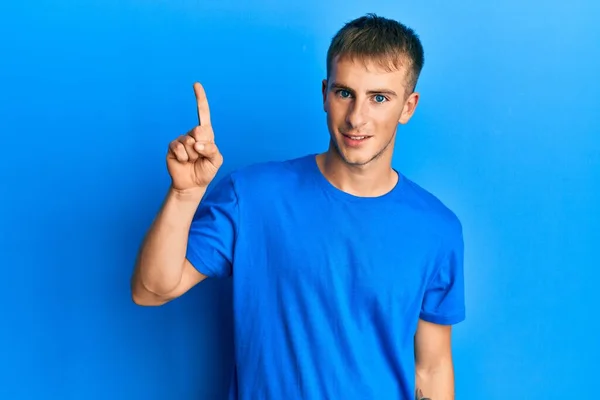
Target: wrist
[[193, 195]]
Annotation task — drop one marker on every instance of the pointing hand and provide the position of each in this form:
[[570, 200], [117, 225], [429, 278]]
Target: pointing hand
[[193, 159]]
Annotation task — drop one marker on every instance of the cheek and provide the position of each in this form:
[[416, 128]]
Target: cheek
[[385, 120], [336, 110]]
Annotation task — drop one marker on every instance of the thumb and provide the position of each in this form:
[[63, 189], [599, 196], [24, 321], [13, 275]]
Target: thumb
[[207, 150]]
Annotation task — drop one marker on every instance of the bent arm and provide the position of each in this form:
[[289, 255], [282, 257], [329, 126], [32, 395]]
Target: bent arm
[[162, 271], [434, 366]]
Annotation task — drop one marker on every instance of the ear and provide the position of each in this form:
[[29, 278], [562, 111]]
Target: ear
[[324, 93], [409, 108]]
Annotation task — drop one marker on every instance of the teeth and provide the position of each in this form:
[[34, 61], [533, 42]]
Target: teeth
[[357, 137]]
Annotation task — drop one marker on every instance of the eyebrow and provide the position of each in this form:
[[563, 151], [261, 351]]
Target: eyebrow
[[337, 85]]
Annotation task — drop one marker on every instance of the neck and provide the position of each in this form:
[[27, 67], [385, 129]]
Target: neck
[[371, 180]]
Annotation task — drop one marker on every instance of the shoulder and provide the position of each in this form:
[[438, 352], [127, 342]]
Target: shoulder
[[431, 210], [269, 175], [261, 180]]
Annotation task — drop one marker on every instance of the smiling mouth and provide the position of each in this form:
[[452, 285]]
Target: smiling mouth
[[356, 137]]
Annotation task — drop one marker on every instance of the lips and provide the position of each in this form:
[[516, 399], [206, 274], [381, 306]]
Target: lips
[[356, 137], [355, 140]]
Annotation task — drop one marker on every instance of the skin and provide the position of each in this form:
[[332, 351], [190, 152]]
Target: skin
[[359, 98], [434, 365], [162, 272]]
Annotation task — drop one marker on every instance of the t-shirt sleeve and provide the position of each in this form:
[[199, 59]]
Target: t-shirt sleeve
[[444, 299], [213, 230]]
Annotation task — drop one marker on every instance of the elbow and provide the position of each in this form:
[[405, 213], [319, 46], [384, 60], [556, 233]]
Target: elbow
[[434, 364], [146, 299], [137, 299], [153, 289], [433, 369], [141, 295]]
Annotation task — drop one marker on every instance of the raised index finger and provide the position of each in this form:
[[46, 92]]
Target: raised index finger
[[202, 104]]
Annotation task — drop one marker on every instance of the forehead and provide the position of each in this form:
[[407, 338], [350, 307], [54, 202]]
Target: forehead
[[364, 73]]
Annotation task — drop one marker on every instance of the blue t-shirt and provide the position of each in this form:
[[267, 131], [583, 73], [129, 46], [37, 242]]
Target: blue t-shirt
[[328, 287]]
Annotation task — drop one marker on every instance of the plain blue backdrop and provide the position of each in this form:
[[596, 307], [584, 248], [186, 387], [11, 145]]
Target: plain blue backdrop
[[91, 93]]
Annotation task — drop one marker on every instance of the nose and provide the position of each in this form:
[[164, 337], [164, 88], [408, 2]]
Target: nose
[[356, 114]]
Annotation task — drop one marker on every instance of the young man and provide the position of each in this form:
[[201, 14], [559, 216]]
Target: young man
[[347, 275]]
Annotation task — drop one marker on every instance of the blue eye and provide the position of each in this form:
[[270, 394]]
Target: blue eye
[[380, 98], [344, 93]]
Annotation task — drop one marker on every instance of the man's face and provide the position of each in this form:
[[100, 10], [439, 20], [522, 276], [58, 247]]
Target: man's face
[[364, 105]]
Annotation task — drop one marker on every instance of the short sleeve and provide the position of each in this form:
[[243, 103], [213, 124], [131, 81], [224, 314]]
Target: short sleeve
[[444, 299], [212, 233]]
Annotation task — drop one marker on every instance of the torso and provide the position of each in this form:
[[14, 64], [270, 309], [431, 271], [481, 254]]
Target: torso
[[327, 286]]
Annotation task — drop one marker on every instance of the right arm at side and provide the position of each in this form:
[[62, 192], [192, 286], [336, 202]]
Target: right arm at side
[[162, 271]]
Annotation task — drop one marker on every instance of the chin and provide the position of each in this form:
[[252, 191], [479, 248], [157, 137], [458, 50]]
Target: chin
[[354, 156], [357, 160], [361, 154]]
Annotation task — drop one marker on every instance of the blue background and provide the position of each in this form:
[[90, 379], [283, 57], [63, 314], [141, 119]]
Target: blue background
[[92, 92]]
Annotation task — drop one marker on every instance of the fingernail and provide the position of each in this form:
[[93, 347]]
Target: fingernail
[[199, 146]]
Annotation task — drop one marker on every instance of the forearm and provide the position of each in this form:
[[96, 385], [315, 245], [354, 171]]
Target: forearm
[[161, 258], [435, 382]]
